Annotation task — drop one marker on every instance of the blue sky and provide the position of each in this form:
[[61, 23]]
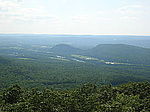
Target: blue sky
[[122, 17]]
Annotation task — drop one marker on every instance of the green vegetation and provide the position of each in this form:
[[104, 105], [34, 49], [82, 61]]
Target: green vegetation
[[65, 49], [60, 71], [121, 53], [62, 74], [130, 97]]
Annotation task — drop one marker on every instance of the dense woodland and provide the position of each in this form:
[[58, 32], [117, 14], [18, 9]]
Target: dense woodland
[[64, 66], [54, 87], [130, 97], [63, 75], [105, 78]]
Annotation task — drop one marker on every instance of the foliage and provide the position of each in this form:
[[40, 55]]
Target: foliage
[[130, 97], [63, 75]]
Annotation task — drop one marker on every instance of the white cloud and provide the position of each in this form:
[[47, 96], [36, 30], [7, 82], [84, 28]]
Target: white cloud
[[81, 19], [130, 9], [129, 18], [14, 10], [130, 12], [73, 16], [64, 1], [6, 5], [100, 16]]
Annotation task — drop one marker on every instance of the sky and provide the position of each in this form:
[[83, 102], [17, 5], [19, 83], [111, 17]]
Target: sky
[[95, 17]]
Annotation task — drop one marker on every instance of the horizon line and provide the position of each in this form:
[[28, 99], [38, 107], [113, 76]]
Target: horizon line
[[71, 34]]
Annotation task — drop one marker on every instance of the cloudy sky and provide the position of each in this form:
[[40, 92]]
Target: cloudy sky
[[123, 17]]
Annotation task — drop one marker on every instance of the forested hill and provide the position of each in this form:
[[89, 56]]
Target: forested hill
[[68, 67], [120, 53], [65, 49], [131, 97]]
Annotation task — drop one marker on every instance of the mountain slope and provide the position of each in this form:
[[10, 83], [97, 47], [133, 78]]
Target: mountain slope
[[121, 53], [65, 49]]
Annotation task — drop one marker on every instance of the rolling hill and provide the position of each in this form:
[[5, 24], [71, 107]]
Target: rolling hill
[[65, 66], [65, 49], [119, 53]]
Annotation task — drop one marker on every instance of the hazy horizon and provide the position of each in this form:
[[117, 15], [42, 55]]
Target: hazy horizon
[[72, 34]]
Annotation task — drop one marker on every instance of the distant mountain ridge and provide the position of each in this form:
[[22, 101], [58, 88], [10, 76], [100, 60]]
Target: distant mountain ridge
[[81, 41], [121, 53], [111, 52], [65, 49]]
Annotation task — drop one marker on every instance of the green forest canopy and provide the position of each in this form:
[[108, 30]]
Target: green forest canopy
[[130, 97]]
